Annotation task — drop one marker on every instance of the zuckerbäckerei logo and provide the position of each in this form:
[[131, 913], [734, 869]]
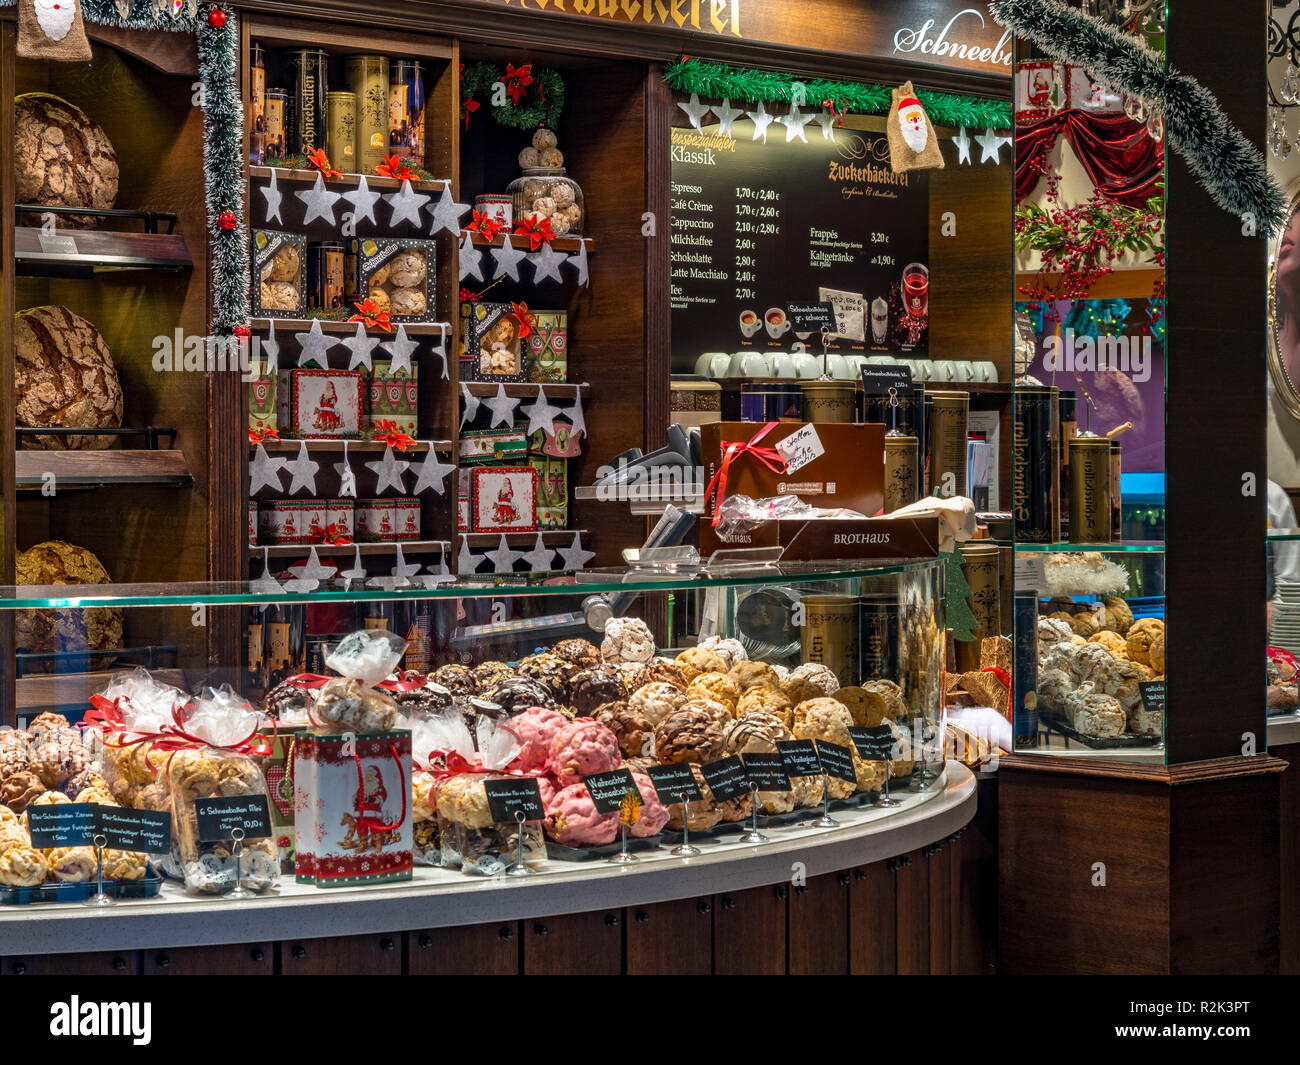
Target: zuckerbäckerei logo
[[923, 40]]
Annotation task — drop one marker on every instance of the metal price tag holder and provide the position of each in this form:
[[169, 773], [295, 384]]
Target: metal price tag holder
[[240, 892], [826, 820], [685, 849], [519, 868], [885, 799], [100, 898], [752, 834], [922, 778]]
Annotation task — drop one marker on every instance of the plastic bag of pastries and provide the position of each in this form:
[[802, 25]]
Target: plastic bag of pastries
[[350, 702], [124, 716]]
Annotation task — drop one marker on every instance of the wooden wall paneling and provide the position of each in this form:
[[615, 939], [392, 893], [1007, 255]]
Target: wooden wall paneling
[[912, 910], [465, 950], [939, 860], [671, 938], [749, 932], [975, 887], [574, 944], [1289, 846], [97, 963], [231, 959], [658, 201], [819, 926], [8, 495], [373, 955], [873, 949]]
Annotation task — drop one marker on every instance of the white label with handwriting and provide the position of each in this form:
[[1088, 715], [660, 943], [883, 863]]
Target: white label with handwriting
[[800, 448]]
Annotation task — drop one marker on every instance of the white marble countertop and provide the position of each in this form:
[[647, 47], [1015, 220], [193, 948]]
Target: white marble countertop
[[1283, 729], [440, 897]]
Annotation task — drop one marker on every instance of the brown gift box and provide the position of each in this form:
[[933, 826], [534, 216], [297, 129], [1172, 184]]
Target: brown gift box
[[850, 474]]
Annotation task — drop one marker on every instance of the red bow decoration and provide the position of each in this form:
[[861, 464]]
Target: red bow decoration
[[838, 115], [310, 681], [369, 313], [527, 319], [1004, 678], [467, 109], [333, 537], [407, 682], [517, 80], [256, 436], [488, 225], [317, 158], [536, 230], [173, 737], [732, 450], [387, 431], [393, 167], [444, 762]]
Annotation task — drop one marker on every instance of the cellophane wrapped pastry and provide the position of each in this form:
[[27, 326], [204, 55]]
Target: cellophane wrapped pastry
[[350, 702]]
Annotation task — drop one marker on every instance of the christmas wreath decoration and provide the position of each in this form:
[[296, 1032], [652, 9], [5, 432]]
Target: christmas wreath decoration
[[535, 95], [1230, 168]]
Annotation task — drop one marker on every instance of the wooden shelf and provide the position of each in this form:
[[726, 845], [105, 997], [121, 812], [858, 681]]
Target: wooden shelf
[[528, 390], [101, 469], [367, 447], [386, 547], [521, 241], [38, 690], [334, 326], [308, 177], [82, 253]]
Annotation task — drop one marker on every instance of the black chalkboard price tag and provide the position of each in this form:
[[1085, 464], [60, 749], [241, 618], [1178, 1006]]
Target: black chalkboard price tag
[[875, 743], [608, 790], [218, 818], [811, 317], [766, 771], [800, 758], [1152, 693], [149, 831], [675, 783], [837, 761], [70, 825], [517, 795], [726, 778], [879, 379]]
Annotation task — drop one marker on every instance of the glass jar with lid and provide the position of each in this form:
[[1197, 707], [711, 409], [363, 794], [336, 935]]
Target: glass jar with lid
[[546, 192]]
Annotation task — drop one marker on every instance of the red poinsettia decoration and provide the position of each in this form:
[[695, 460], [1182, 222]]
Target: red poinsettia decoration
[[467, 109], [527, 320], [387, 431], [372, 316], [332, 536], [488, 225], [536, 230], [257, 436], [517, 80], [317, 158], [393, 167]]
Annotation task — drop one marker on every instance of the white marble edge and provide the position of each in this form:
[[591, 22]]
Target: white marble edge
[[1283, 729], [438, 898]]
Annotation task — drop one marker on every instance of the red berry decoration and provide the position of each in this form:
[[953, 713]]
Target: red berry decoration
[[243, 332], [216, 18], [227, 220]]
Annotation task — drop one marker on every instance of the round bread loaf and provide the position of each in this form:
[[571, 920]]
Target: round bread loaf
[[64, 377], [46, 631], [62, 158]]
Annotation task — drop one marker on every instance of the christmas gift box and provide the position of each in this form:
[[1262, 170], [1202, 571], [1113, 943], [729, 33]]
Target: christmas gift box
[[406, 518], [494, 338], [493, 446], [324, 404], [280, 522], [279, 785], [262, 402], [552, 491], [393, 397], [280, 266], [396, 276], [464, 483], [375, 519], [504, 499], [558, 442], [339, 514], [547, 353]]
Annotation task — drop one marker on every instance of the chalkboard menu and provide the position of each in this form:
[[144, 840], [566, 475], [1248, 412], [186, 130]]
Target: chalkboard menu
[[760, 227]]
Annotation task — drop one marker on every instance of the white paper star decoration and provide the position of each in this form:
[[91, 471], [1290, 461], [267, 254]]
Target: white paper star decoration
[[794, 123], [438, 576], [357, 571], [471, 259], [303, 471], [696, 111], [541, 558], [502, 408], [726, 116], [264, 471], [961, 141], [761, 120], [541, 413], [404, 570], [360, 346], [575, 416], [320, 202], [508, 258], [574, 557], [432, 473], [347, 479], [315, 345], [310, 574], [579, 263], [827, 122], [272, 194], [270, 349], [503, 557], [363, 202], [441, 350], [401, 348], [406, 204], [389, 470], [471, 405], [546, 263], [265, 584], [447, 212], [466, 561], [990, 144]]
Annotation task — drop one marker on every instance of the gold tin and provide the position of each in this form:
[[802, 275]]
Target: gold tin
[[980, 565], [829, 634], [829, 401], [900, 471], [948, 423], [341, 130], [1116, 504], [1090, 509], [366, 77]]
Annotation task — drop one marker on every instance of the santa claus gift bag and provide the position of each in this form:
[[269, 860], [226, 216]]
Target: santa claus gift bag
[[912, 141]]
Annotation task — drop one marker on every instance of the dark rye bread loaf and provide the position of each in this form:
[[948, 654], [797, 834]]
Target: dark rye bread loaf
[[44, 631], [62, 158], [64, 376]]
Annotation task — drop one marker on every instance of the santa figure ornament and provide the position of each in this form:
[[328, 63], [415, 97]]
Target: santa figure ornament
[[912, 142], [52, 29]]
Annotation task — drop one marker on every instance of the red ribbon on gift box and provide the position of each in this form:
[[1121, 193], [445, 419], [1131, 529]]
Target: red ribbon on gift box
[[172, 738], [1004, 678], [407, 682], [732, 450], [366, 824], [308, 680]]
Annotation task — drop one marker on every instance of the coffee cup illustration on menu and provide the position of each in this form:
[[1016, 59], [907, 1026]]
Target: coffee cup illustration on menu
[[749, 323], [879, 320], [776, 322]]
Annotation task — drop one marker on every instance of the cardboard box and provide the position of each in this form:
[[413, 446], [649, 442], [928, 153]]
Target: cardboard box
[[324, 404], [547, 353], [494, 343], [393, 397], [508, 446], [552, 491], [279, 273], [262, 403], [397, 275], [504, 499]]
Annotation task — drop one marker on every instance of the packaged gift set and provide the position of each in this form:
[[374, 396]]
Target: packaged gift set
[[547, 353], [397, 518], [552, 491], [280, 266], [494, 343], [395, 275], [324, 404], [263, 407], [503, 499], [393, 396], [352, 772], [506, 447], [310, 521]]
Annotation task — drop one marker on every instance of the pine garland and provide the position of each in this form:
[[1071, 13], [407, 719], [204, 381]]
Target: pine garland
[[718, 81], [541, 104], [223, 140], [1231, 169]]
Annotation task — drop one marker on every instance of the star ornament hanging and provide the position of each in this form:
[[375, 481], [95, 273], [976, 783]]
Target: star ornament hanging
[[508, 258], [726, 116], [502, 408], [794, 123], [546, 263], [320, 202], [432, 473], [356, 572], [447, 212], [388, 471], [579, 264], [406, 204], [961, 141], [360, 346], [401, 348], [503, 557], [541, 413], [761, 120], [303, 471], [827, 122], [273, 196], [471, 259], [575, 557], [541, 558], [471, 405], [990, 144], [315, 345], [695, 111], [363, 202], [466, 561], [270, 348], [264, 471]]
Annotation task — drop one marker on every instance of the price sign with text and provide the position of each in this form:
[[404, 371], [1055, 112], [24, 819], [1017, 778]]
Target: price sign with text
[[767, 771], [218, 818], [675, 783], [800, 448], [149, 831], [811, 317], [875, 743], [609, 789], [882, 378], [71, 824], [726, 778], [837, 761], [512, 796], [800, 757]]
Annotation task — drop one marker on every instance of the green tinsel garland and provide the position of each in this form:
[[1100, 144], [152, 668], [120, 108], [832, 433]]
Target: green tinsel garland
[[718, 81], [223, 140], [540, 106], [1228, 165]]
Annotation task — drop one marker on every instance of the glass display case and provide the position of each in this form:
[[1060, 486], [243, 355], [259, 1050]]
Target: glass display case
[[563, 681]]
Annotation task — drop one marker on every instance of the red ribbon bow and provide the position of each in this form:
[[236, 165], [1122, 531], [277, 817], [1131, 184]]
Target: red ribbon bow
[[172, 738], [407, 682], [732, 450]]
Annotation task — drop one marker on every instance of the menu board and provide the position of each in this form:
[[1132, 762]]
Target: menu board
[[760, 227]]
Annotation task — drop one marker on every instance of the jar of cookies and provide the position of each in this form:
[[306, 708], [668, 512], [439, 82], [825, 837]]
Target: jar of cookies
[[546, 192]]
